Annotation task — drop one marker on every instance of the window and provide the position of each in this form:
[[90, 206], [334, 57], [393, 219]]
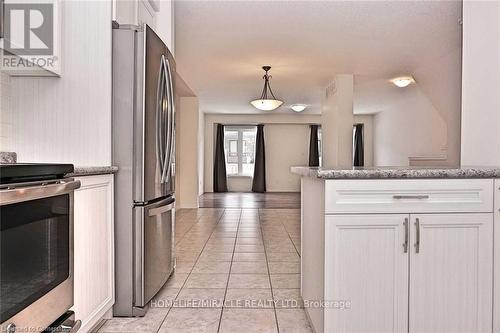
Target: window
[[239, 147]]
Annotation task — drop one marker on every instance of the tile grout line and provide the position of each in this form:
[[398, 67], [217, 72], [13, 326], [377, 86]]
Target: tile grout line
[[189, 230], [240, 220], [291, 240], [268, 271], [229, 274], [188, 274]]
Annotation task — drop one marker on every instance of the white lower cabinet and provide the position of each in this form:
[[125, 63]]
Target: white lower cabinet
[[451, 274], [93, 250], [367, 268], [496, 255], [416, 273]]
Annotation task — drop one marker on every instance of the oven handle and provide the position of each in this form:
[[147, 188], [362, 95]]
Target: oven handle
[[39, 191], [74, 328]]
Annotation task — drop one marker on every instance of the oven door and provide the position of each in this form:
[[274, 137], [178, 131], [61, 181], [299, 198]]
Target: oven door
[[36, 255]]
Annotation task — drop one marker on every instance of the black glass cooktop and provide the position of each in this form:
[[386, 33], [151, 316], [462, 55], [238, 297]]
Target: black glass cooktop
[[26, 172]]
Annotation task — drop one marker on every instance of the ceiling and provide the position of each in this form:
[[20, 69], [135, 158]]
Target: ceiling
[[222, 45]]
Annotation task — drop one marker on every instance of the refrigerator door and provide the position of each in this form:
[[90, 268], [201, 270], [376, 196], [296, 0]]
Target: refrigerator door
[[152, 132], [154, 261]]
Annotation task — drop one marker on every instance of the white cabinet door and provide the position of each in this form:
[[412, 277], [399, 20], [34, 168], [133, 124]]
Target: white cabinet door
[[125, 11], [136, 12], [451, 273], [93, 250], [366, 266], [496, 256]]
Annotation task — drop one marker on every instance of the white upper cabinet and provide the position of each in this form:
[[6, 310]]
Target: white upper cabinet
[[451, 273], [146, 14], [136, 12], [159, 15], [30, 42], [367, 266]]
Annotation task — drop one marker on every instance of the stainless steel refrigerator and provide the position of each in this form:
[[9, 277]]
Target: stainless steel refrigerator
[[144, 151]]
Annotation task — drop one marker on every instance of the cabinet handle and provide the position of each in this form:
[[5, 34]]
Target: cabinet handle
[[405, 244], [417, 235], [419, 196]]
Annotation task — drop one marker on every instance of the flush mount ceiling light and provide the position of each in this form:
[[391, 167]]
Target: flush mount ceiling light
[[267, 101], [298, 107], [403, 81]]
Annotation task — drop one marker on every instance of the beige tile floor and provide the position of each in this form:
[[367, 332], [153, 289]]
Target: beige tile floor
[[237, 271]]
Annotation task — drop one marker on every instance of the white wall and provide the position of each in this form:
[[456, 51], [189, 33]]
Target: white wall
[[201, 152], [287, 144], [402, 115], [481, 83], [441, 81], [187, 152], [5, 113], [68, 119], [409, 127], [431, 106], [165, 24], [337, 120]]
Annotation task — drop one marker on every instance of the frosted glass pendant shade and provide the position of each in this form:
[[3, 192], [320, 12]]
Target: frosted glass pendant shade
[[403, 81], [266, 104]]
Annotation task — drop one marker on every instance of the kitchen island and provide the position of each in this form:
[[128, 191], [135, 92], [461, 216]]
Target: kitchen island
[[400, 249]]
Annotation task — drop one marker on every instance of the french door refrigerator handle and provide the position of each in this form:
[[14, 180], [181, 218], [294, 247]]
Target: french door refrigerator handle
[[170, 132], [161, 209], [160, 154], [166, 154]]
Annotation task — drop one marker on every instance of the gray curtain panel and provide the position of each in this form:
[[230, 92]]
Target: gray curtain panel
[[259, 172], [220, 177], [359, 151], [314, 147]]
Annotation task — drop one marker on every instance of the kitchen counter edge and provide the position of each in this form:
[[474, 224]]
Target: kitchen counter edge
[[397, 173], [93, 171]]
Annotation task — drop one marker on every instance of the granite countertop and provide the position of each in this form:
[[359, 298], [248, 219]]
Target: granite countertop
[[8, 157], [397, 172], [92, 171]]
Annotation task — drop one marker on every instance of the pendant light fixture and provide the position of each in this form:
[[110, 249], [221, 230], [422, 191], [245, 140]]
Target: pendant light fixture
[[267, 101], [403, 81], [298, 107]]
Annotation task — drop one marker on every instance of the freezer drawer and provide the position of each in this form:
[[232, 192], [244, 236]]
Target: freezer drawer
[[154, 260]]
